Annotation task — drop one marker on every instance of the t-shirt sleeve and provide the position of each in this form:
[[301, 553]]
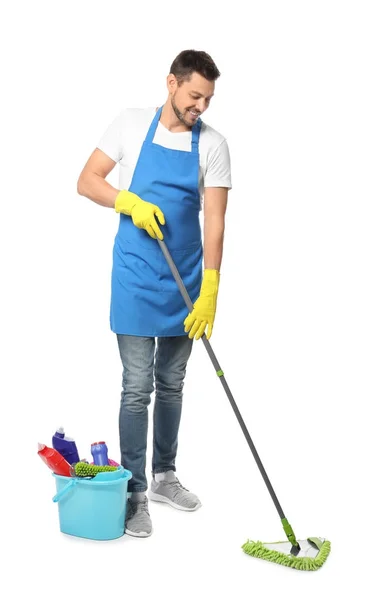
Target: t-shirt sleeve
[[218, 171], [110, 141]]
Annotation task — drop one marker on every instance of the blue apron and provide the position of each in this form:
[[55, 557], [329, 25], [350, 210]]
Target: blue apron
[[145, 298]]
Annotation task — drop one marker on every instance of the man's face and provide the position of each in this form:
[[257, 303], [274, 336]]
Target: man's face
[[191, 98]]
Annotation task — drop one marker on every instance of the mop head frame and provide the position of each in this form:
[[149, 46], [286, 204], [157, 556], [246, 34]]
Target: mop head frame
[[313, 553]]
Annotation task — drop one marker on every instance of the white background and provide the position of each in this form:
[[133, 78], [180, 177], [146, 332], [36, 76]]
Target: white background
[[296, 330]]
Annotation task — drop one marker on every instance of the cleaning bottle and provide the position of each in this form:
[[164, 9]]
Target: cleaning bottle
[[65, 446], [99, 452], [54, 460]]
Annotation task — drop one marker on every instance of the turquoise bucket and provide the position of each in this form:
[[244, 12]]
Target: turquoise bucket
[[93, 509]]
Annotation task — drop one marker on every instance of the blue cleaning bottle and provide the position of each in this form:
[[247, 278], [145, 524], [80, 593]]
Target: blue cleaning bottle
[[65, 446], [99, 452]]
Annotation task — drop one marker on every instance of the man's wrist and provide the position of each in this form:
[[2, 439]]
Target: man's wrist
[[125, 202], [211, 274]]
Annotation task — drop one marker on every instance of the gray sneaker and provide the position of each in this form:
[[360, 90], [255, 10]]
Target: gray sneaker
[[174, 494], [138, 522]]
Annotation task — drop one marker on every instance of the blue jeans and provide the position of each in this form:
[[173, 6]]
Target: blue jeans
[[145, 359]]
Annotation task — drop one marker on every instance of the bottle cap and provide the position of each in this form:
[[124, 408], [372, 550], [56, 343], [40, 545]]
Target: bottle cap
[[96, 443]]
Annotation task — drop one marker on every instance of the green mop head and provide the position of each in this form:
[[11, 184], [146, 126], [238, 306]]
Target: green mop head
[[82, 469], [311, 556]]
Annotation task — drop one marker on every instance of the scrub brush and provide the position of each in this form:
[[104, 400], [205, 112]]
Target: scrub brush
[[82, 469]]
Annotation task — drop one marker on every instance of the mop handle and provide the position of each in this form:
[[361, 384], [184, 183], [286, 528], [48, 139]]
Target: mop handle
[[220, 373]]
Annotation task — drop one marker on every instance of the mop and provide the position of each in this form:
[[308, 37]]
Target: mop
[[305, 555]]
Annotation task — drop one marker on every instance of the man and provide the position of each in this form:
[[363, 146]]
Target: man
[[169, 161]]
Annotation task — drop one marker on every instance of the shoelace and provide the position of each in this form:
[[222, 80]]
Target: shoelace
[[177, 486], [141, 506]]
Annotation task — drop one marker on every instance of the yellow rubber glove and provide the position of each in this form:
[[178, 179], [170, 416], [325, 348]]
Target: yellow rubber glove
[[143, 213], [204, 309]]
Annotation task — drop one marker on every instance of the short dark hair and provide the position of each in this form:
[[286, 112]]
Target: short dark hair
[[194, 61]]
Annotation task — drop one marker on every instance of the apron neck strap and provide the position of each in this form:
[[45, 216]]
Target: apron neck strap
[[195, 136], [153, 126]]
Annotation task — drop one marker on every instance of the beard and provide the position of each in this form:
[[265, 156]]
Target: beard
[[180, 115]]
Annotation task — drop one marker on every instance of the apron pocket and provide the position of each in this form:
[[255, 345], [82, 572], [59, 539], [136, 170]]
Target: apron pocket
[[137, 267], [189, 264]]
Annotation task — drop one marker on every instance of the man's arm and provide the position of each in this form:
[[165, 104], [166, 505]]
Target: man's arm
[[204, 310], [91, 182], [215, 202]]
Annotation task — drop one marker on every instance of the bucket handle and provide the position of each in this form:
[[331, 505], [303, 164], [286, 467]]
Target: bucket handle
[[64, 490]]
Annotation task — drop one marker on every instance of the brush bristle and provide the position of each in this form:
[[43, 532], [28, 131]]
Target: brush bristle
[[82, 469]]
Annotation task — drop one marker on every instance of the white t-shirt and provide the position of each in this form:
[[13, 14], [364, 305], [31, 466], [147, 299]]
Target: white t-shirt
[[123, 139]]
